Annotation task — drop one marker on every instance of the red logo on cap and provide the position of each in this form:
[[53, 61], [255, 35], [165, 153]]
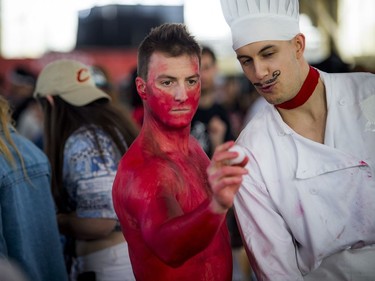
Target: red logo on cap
[[83, 75]]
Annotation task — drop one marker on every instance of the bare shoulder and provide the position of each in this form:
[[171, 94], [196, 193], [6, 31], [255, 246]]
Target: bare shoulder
[[146, 173]]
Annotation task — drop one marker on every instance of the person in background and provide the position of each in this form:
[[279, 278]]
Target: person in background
[[26, 113], [235, 98], [85, 137], [21, 82], [210, 125], [132, 99], [103, 81], [29, 236], [306, 208], [171, 213]]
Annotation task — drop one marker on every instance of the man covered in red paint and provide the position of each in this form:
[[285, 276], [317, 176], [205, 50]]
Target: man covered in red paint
[[172, 214]]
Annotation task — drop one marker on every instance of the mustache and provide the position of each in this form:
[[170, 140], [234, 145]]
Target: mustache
[[275, 74]]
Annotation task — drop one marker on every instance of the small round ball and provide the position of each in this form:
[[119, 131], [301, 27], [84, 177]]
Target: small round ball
[[241, 154]]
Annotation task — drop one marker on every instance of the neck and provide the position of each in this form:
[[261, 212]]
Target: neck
[[308, 87], [167, 139]]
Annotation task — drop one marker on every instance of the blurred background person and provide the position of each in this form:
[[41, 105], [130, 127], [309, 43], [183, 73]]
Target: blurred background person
[[25, 111], [210, 124], [237, 96], [128, 102], [19, 93], [129, 96], [85, 137], [104, 82]]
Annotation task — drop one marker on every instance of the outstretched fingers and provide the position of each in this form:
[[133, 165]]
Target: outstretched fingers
[[225, 179]]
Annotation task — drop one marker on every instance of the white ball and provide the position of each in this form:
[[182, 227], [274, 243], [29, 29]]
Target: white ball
[[241, 154]]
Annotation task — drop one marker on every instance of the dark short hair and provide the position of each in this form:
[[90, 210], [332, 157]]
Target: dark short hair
[[170, 38]]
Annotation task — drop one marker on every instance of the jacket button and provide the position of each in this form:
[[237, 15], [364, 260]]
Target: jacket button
[[313, 191]]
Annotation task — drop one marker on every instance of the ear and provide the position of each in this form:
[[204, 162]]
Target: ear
[[141, 87], [299, 42]]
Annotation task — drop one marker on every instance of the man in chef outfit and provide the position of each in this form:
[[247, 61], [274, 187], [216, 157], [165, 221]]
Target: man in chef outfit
[[307, 207]]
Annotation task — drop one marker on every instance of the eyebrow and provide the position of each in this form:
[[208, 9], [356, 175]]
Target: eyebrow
[[163, 76], [265, 48], [194, 76]]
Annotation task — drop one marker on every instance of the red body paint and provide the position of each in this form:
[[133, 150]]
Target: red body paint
[[161, 193]]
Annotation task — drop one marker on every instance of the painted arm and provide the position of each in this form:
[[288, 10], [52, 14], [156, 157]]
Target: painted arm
[[175, 236]]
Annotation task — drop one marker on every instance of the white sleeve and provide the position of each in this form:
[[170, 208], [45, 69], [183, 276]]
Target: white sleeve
[[268, 242]]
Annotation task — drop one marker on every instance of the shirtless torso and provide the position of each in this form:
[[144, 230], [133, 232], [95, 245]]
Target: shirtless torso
[[171, 219]]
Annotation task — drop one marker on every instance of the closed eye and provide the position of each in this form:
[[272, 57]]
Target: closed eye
[[268, 54], [245, 61]]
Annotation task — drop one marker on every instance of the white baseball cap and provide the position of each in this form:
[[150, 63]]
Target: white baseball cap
[[70, 80], [260, 20]]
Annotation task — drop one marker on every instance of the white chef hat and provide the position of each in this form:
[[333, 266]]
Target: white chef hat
[[258, 20]]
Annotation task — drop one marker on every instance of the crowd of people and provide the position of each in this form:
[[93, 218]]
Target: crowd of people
[[99, 182]]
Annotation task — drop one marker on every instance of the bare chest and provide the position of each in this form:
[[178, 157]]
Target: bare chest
[[191, 185]]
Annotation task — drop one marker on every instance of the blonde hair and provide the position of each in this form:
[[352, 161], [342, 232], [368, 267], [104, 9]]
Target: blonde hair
[[5, 123]]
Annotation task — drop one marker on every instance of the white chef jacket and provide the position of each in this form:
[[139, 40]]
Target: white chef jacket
[[303, 201]]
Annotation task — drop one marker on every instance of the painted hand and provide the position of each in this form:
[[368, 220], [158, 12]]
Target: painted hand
[[225, 179]]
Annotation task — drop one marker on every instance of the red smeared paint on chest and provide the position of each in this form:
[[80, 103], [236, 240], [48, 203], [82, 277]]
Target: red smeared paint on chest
[[194, 188]]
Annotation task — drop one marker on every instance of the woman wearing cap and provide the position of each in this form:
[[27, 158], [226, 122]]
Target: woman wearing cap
[[85, 137]]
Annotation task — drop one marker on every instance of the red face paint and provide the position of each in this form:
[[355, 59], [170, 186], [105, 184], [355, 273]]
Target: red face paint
[[173, 89], [171, 112]]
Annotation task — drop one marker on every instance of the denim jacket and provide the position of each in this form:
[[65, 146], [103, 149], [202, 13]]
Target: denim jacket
[[28, 227]]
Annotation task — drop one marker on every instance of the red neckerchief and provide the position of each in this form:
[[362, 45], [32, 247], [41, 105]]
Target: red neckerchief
[[304, 93]]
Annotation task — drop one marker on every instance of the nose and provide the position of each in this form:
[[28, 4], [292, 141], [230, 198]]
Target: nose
[[260, 70], [181, 94]]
